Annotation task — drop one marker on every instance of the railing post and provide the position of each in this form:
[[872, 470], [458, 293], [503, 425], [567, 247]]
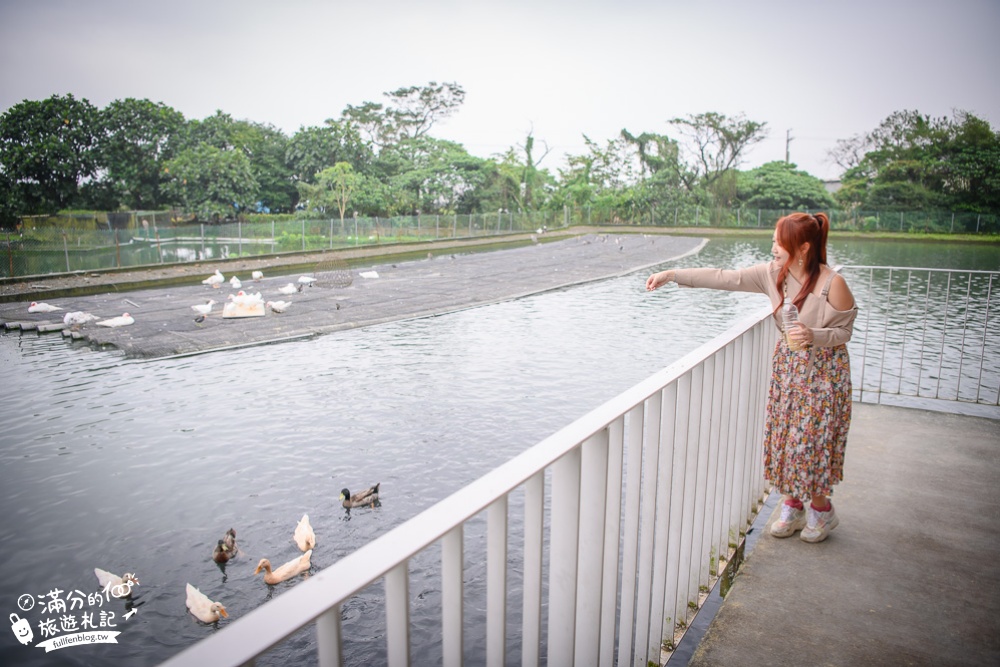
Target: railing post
[[496, 583], [329, 642], [452, 605], [397, 615], [534, 507], [612, 527], [590, 565], [564, 541]]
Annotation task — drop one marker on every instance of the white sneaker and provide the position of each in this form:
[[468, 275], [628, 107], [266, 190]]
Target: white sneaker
[[791, 520], [819, 524]]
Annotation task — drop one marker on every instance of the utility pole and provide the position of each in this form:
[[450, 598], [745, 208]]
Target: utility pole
[[788, 140]]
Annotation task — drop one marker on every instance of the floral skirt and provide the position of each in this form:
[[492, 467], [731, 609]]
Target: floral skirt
[[808, 415]]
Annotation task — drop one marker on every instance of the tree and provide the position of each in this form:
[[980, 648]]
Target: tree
[[915, 161], [717, 143], [47, 151], [134, 142], [779, 185], [211, 182], [342, 181], [417, 108]]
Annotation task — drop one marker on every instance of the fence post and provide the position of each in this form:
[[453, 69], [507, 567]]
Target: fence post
[[202, 240], [355, 228], [303, 234], [118, 253], [437, 226], [65, 251], [159, 250], [272, 237], [10, 255], [900, 221], [952, 222], [454, 224], [239, 237], [331, 233], [978, 217]]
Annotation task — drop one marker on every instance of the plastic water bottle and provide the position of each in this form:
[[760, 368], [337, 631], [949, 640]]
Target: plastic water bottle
[[789, 318]]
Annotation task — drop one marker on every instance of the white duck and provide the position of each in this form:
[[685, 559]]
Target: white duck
[[123, 321], [286, 571], [203, 308], [304, 536], [257, 275], [241, 298], [37, 307], [307, 280], [278, 306], [120, 587], [77, 317], [202, 608], [290, 288], [214, 280], [235, 283], [369, 274]]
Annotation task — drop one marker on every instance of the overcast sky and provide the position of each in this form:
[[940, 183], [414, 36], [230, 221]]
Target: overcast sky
[[560, 68]]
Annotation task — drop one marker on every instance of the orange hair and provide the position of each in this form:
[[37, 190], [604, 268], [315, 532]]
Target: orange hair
[[792, 232]]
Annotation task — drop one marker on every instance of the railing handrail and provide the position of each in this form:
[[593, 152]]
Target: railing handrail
[[247, 637]]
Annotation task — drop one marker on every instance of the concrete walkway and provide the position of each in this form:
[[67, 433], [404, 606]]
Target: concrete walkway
[[343, 298], [910, 577]]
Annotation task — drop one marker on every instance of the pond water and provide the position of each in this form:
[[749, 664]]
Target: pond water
[[142, 466]]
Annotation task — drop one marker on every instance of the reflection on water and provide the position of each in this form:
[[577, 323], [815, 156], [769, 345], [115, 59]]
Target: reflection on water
[[136, 466]]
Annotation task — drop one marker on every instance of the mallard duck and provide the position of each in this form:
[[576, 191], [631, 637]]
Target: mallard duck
[[304, 535], [120, 587], [230, 541], [221, 553], [204, 308], [123, 321], [366, 498], [286, 571], [215, 279], [37, 307], [278, 306], [202, 608]]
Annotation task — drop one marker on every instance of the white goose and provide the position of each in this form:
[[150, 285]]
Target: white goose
[[214, 280], [235, 283], [37, 307], [257, 275], [307, 280], [278, 306], [290, 288], [203, 308], [123, 321], [304, 536], [202, 608]]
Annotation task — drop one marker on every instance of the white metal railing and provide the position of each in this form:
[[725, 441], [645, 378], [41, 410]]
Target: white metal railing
[[925, 334], [645, 495]]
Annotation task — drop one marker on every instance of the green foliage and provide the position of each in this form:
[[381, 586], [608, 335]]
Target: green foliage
[[211, 182], [133, 144], [913, 161], [777, 185], [46, 149]]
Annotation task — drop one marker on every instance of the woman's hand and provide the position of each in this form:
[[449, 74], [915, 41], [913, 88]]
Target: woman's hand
[[802, 334], [659, 280]]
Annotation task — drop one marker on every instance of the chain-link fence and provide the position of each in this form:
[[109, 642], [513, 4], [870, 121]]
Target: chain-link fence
[[93, 241], [90, 242]]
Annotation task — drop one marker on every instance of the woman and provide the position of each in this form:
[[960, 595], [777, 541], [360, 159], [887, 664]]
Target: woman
[[809, 400]]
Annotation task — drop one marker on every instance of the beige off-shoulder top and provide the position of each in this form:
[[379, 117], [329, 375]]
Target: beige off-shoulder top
[[831, 327]]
